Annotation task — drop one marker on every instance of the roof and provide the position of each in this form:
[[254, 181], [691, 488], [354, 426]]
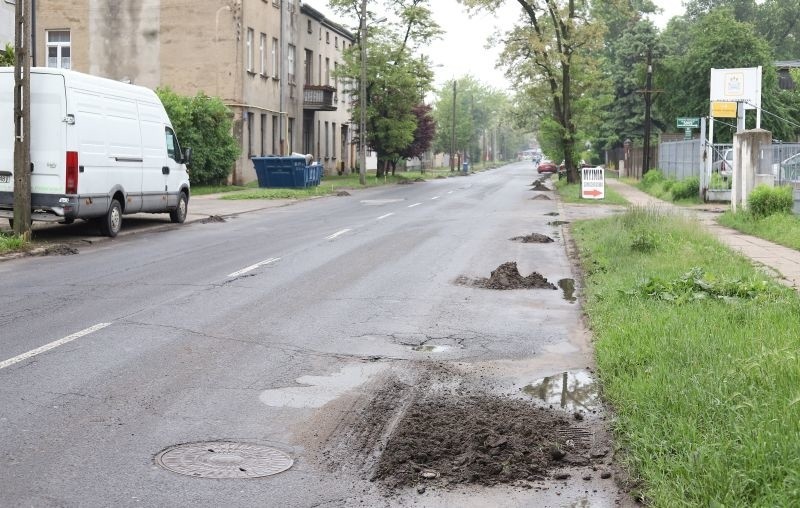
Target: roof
[[313, 13]]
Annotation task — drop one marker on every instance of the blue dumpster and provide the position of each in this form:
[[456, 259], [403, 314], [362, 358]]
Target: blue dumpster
[[286, 172], [465, 167]]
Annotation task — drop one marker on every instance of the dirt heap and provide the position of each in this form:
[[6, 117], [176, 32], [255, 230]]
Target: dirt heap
[[507, 276], [540, 196], [59, 250], [480, 440], [212, 218], [404, 181], [419, 179], [539, 186], [532, 238], [342, 193]]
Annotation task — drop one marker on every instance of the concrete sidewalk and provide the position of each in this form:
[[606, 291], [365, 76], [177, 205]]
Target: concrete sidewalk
[[783, 260]]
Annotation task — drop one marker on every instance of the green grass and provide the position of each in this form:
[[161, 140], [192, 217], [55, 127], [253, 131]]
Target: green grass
[[783, 229], [11, 243], [705, 388], [201, 190], [571, 193]]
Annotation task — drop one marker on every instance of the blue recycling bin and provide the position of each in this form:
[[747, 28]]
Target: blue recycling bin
[[286, 172], [465, 167]]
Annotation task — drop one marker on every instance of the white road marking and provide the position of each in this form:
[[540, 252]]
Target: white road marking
[[253, 267], [337, 234], [54, 344], [435, 197], [415, 204], [384, 216]]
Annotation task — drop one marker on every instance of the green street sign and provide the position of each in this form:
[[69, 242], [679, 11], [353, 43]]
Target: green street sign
[[687, 134], [688, 123]]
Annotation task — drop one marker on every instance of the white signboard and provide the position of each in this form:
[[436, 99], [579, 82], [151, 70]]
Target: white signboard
[[593, 183], [737, 85]]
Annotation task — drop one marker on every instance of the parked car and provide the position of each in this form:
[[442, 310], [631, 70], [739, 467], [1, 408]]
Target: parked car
[[546, 166], [724, 166], [788, 170]]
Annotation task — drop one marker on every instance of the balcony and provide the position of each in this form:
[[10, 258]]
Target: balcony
[[319, 98]]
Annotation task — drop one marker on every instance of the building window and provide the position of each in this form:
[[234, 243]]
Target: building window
[[336, 42], [290, 136], [250, 50], [319, 70], [263, 134], [328, 71], [275, 134], [275, 60], [327, 145], [309, 26], [290, 63], [58, 49], [333, 139], [249, 117], [327, 37], [309, 67], [262, 52], [335, 80]]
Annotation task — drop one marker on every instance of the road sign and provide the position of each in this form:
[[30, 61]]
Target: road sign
[[688, 123], [687, 134], [723, 109], [593, 183]]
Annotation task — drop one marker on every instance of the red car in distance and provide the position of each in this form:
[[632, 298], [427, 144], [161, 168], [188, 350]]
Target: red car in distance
[[546, 166]]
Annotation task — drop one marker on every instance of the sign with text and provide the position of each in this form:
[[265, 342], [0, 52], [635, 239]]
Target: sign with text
[[688, 123], [723, 109], [593, 183], [737, 85]]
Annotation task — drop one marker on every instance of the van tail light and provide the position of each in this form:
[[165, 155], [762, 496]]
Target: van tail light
[[72, 173]]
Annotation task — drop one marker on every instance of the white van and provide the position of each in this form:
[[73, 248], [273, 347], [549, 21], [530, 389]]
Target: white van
[[99, 149]]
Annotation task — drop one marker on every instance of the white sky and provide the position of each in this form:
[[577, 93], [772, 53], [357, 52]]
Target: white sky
[[462, 49]]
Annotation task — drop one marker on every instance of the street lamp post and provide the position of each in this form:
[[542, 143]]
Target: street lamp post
[[453, 133], [362, 162]]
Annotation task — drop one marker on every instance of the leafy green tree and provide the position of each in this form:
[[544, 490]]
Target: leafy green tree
[[203, 123], [541, 55], [397, 79], [7, 56]]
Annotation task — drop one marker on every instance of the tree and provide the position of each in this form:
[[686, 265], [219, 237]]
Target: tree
[[397, 79], [424, 133], [7, 56], [204, 123], [541, 53]]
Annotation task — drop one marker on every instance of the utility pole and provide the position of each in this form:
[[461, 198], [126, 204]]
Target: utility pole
[[362, 136], [648, 100], [453, 134], [22, 117]]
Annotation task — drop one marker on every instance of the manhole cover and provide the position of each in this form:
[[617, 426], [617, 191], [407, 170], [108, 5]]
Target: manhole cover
[[220, 459]]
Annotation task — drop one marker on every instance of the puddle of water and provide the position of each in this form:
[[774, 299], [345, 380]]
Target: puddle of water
[[320, 390], [571, 391], [552, 214], [568, 288], [557, 223], [430, 349]]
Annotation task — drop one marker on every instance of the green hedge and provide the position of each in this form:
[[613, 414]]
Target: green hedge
[[765, 201]]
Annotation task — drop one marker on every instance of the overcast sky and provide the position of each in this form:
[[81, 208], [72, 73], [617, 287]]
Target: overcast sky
[[462, 50]]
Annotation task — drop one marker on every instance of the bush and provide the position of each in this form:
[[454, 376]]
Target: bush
[[203, 123], [652, 177], [686, 189], [765, 201]]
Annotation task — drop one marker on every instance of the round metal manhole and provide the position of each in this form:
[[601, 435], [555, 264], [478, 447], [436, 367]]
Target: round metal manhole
[[222, 459]]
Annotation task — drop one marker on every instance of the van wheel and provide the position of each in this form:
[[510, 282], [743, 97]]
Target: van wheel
[[112, 222], [178, 215]]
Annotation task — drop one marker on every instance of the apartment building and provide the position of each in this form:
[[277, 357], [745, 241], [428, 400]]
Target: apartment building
[[7, 23], [270, 61]]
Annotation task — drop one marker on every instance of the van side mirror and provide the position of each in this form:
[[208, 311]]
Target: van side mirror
[[187, 155]]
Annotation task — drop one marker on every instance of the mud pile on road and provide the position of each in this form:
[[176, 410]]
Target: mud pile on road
[[59, 250], [342, 193], [532, 238], [481, 440], [507, 276], [539, 186], [540, 196]]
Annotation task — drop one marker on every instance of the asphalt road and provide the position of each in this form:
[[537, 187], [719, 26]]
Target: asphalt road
[[200, 333]]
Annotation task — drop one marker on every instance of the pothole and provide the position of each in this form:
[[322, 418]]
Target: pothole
[[223, 459], [532, 238], [212, 218], [430, 348], [568, 288], [506, 277], [573, 391]]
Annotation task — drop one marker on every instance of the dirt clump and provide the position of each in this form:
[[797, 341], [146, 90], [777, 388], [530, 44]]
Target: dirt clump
[[532, 238], [212, 218], [59, 250], [342, 193], [419, 179], [539, 186], [480, 440], [558, 223], [507, 276], [540, 196], [404, 181]]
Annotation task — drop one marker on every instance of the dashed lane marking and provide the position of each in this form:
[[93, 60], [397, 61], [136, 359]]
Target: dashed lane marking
[[253, 267], [52, 345], [338, 234]]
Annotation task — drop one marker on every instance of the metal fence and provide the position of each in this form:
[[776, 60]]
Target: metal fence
[[680, 159]]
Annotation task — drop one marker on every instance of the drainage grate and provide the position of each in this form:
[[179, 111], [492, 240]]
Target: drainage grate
[[222, 459]]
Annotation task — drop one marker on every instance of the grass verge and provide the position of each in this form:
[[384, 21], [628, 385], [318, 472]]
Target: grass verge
[[11, 243], [783, 229], [697, 352]]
